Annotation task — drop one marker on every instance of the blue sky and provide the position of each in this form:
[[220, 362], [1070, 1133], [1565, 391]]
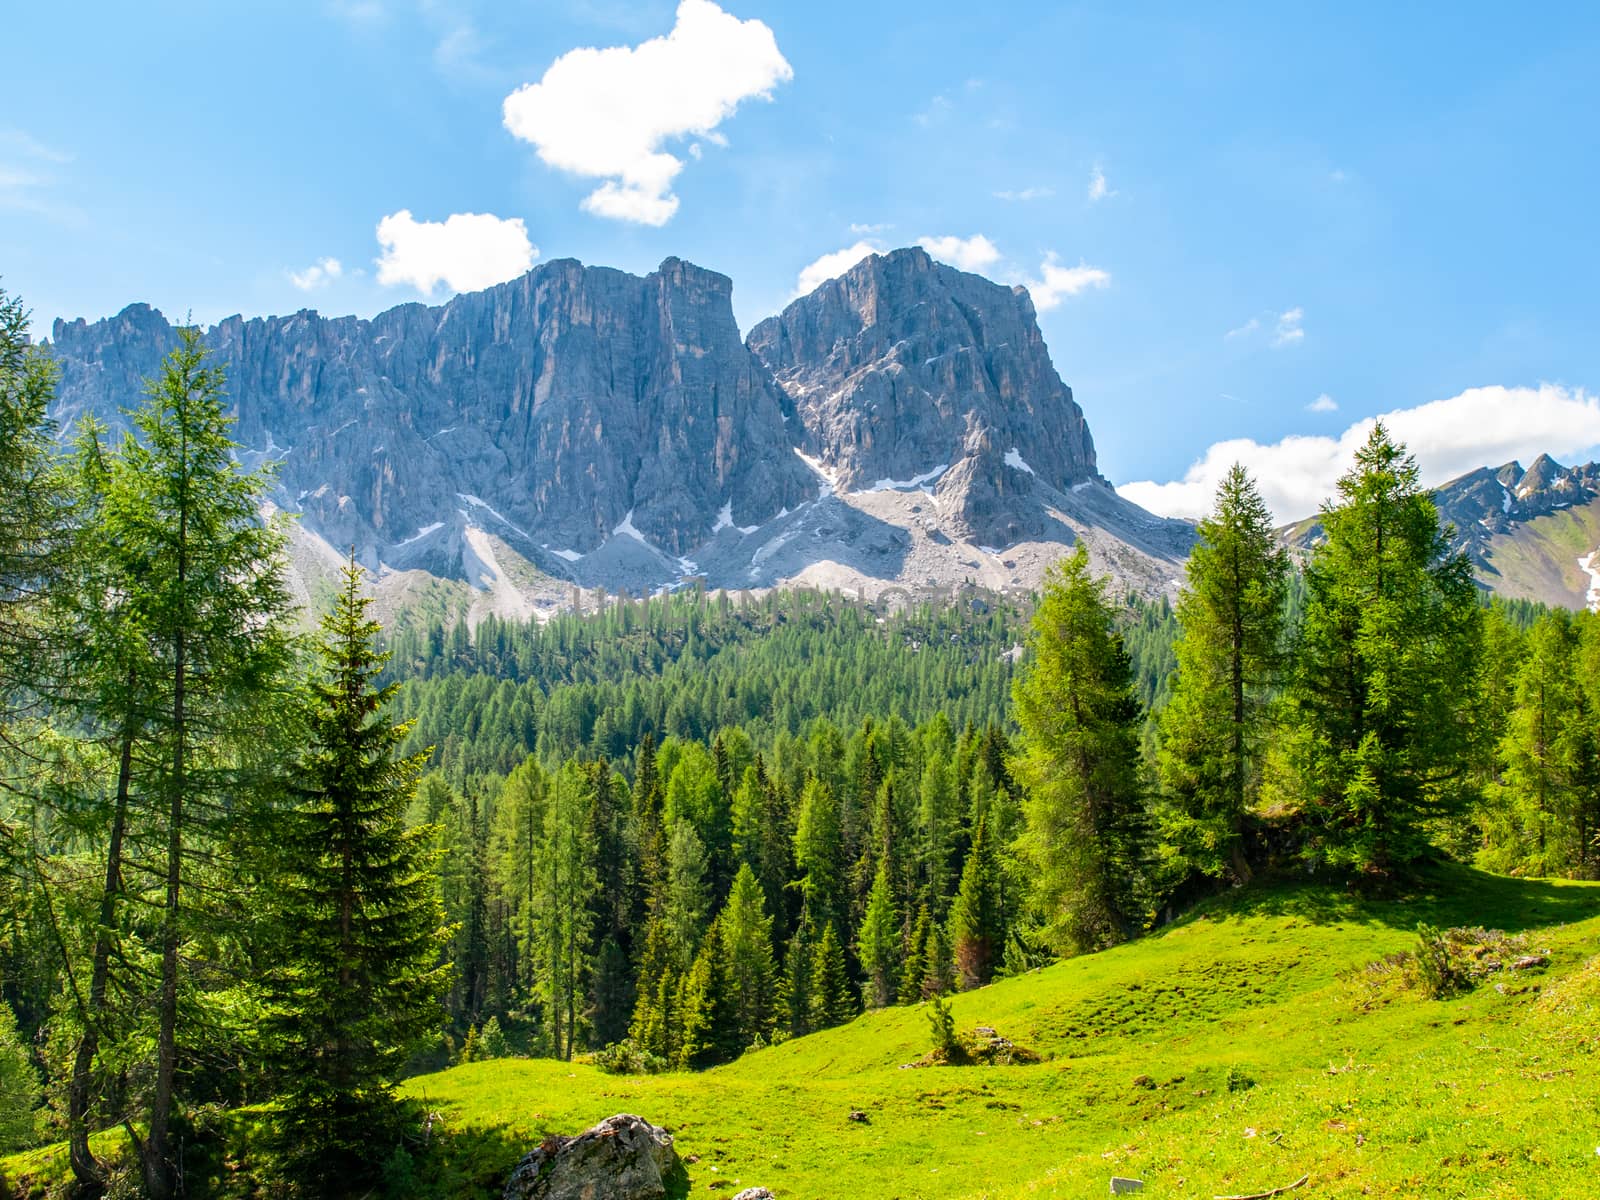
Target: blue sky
[[1265, 222]]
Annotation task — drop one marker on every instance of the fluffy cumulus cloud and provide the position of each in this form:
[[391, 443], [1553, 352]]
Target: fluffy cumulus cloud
[[1481, 427], [1056, 282], [831, 266], [608, 114], [466, 251], [969, 254], [1323, 404], [318, 275]]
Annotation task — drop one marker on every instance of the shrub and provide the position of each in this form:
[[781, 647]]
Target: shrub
[[628, 1058], [947, 1046]]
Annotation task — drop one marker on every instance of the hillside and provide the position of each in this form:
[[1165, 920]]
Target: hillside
[[1488, 1094], [1230, 1053]]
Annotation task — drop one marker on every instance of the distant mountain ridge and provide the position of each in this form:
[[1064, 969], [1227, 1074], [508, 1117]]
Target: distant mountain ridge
[[581, 427], [1531, 534]]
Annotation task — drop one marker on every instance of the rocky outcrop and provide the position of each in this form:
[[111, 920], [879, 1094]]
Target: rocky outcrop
[[559, 411], [622, 1158], [903, 370]]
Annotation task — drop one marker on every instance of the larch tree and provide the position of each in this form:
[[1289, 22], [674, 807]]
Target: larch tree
[[1230, 657], [358, 983], [1079, 759], [207, 596]]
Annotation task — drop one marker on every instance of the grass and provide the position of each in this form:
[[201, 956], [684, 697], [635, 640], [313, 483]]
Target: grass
[[1231, 1053], [1228, 1054]]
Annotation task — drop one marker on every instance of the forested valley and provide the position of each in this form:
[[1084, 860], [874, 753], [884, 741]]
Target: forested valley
[[256, 857]]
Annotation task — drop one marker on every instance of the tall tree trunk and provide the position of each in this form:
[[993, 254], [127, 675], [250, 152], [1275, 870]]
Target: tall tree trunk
[[85, 1169]]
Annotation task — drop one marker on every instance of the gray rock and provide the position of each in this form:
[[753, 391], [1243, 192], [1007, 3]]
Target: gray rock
[[755, 1193], [622, 1158], [903, 366], [565, 401]]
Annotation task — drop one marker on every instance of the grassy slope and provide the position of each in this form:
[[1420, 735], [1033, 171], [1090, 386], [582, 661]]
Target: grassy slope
[[1490, 1094], [1539, 561]]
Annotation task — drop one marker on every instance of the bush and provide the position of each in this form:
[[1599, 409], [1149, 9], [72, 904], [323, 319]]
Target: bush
[[628, 1058], [492, 1042]]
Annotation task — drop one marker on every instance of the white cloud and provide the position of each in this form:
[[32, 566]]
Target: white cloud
[[1288, 330], [1099, 189], [1245, 330], [938, 108], [881, 227], [1481, 427], [605, 114], [831, 266], [1027, 193], [31, 147], [465, 252], [1323, 404], [319, 274], [967, 254], [1056, 282]]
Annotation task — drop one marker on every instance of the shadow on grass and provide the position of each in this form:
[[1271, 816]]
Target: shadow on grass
[[1443, 894]]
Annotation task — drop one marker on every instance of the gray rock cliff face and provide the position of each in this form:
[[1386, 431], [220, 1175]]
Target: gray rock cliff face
[[906, 369], [583, 428], [551, 410]]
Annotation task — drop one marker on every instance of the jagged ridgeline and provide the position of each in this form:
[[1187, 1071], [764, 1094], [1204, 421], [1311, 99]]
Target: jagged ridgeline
[[581, 427]]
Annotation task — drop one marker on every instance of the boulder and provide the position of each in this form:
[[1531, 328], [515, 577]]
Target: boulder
[[622, 1158], [755, 1193]]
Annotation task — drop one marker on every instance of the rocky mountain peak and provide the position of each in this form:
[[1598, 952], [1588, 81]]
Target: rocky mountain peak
[[904, 369]]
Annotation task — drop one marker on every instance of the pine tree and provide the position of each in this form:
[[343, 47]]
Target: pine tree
[[977, 930], [1229, 659], [357, 984], [1080, 760], [752, 975], [938, 975], [916, 964], [878, 945], [1386, 663], [707, 1007], [833, 1001]]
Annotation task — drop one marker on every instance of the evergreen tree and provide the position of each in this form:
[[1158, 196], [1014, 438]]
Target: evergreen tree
[[206, 594], [820, 853], [938, 972], [879, 945], [357, 984], [19, 1087], [707, 1006], [1080, 760], [752, 975], [799, 959], [1387, 658], [1228, 662], [833, 1001], [916, 964], [564, 917], [977, 930]]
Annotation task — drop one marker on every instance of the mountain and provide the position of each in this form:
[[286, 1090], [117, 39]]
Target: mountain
[[584, 428], [1531, 534]]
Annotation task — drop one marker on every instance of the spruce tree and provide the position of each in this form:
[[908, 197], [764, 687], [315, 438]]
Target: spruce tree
[[879, 944], [796, 991], [833, 1001], [1229, 656], [977, 930], [916, 964], [1079, 758], [938, 972], [710, 1033], [1386, 663], [357, 984]]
